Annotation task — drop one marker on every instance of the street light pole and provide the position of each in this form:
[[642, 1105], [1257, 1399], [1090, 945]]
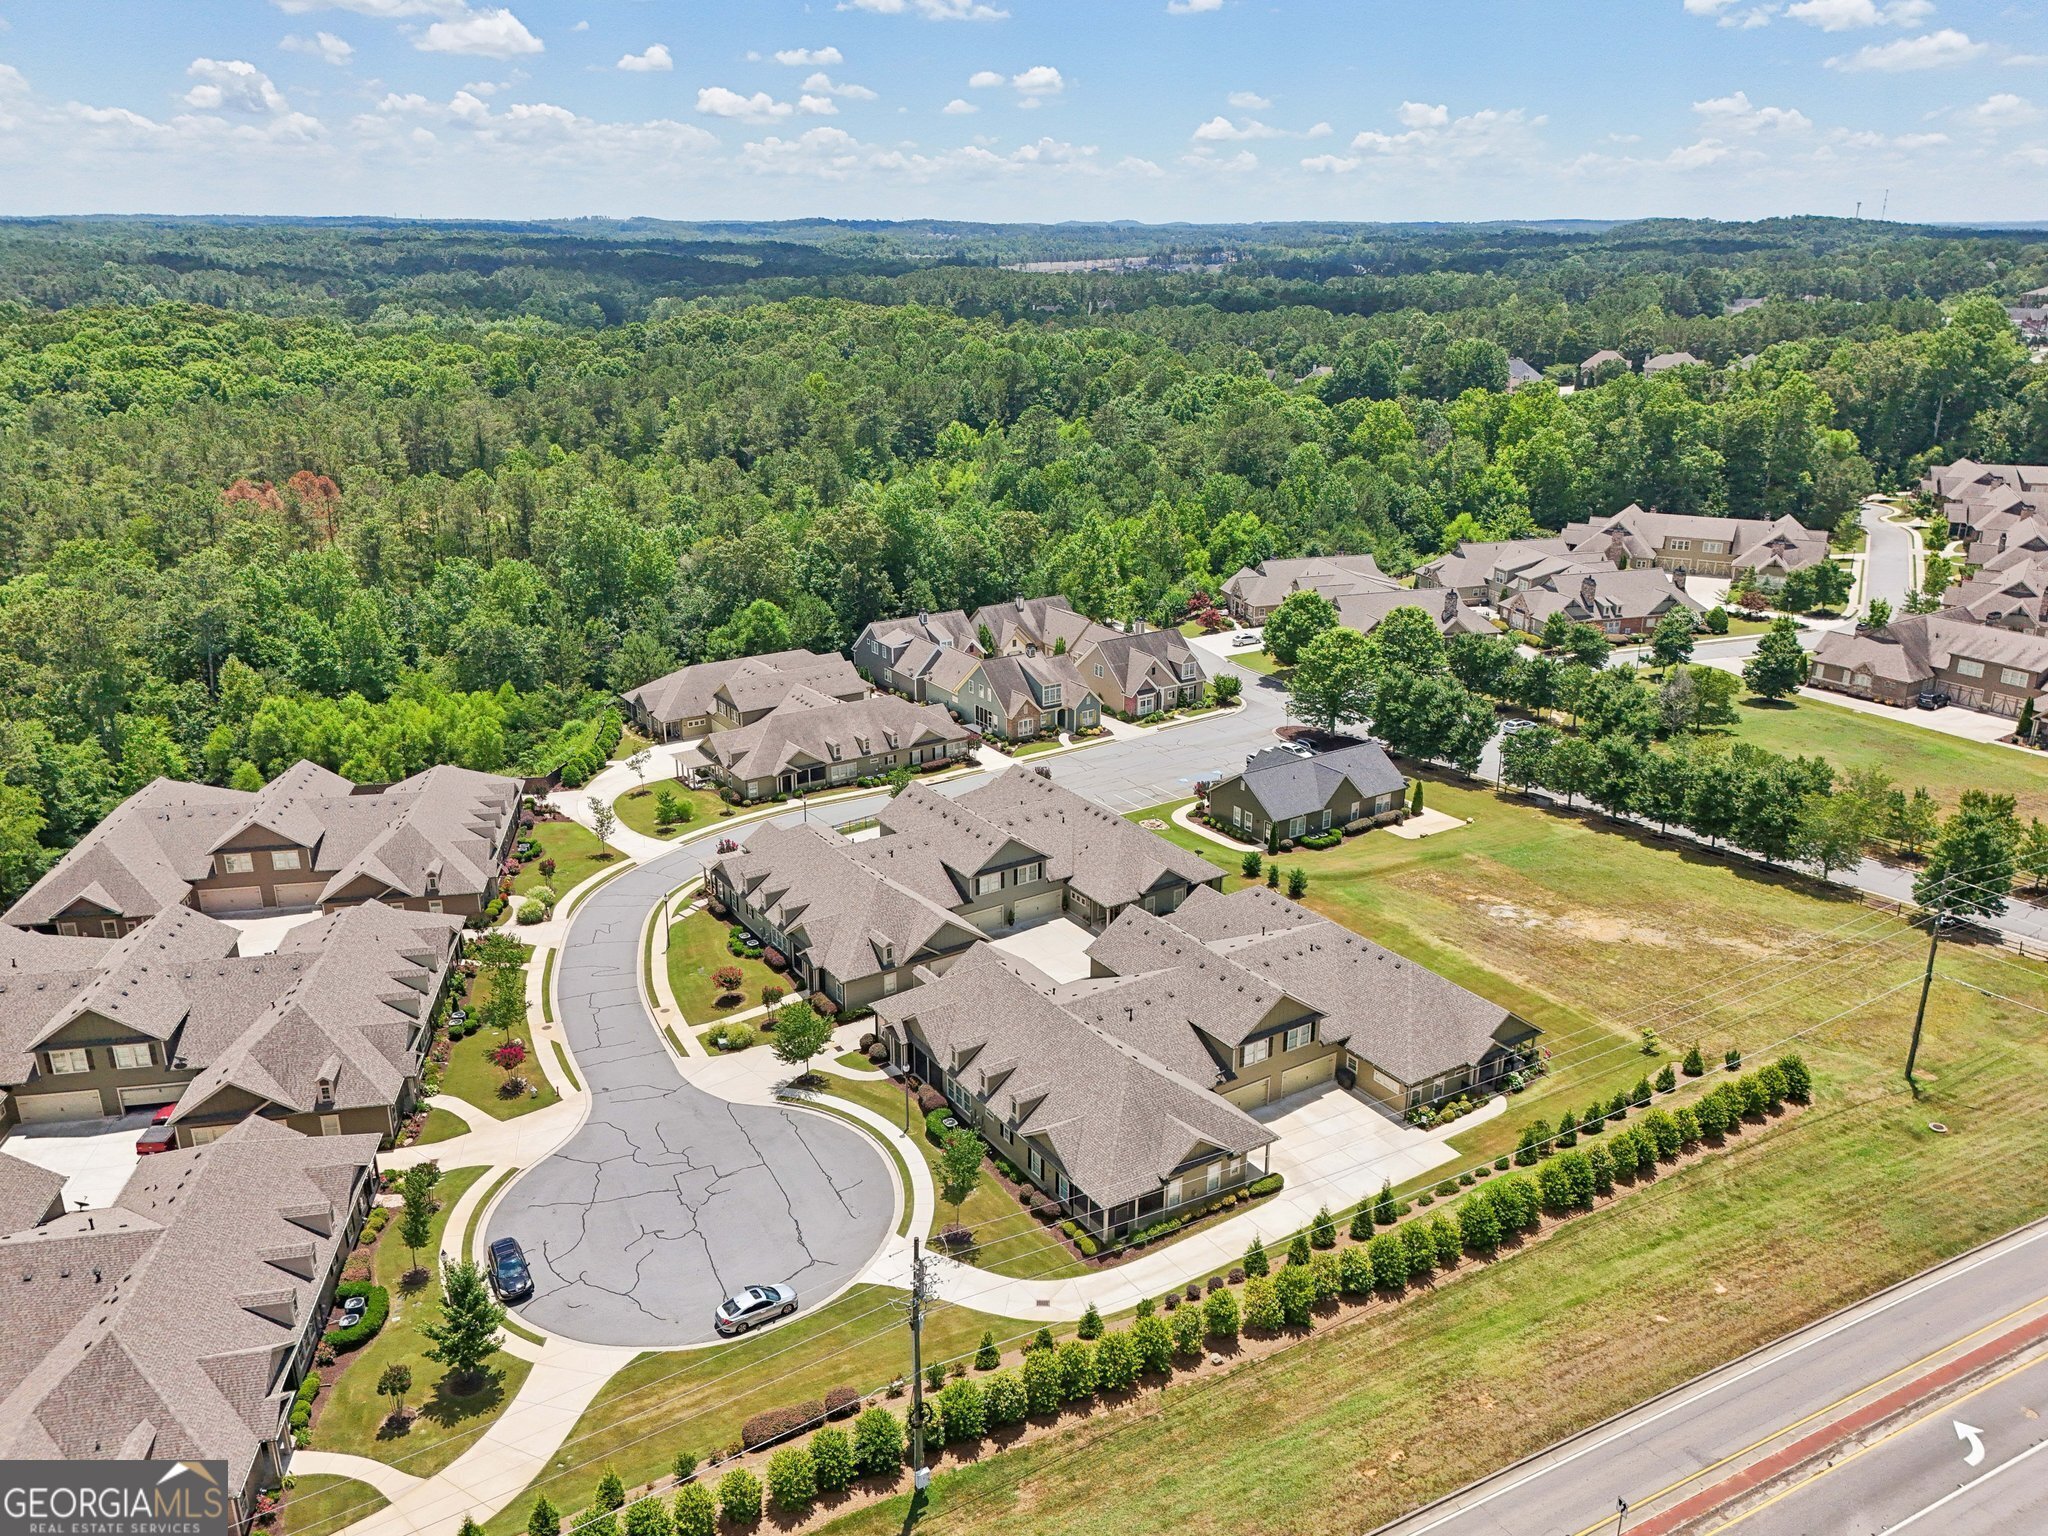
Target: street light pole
[[1621, 1514], [920, 1477], [1920, 1013]]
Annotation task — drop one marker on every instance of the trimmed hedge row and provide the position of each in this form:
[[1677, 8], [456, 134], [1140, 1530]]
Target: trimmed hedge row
[[366, 1327]]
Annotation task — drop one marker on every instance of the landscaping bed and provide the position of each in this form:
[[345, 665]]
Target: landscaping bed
[[575, 851], [639, 808], [699, 947]]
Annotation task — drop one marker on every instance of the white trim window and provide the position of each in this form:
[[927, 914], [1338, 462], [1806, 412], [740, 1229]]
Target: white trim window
[[1252, 1052], [985, 885], [133, 1055], [285, 858], [1965, 667], [66, 1063], [2012, 677], [1300, 1035], [237, 863]]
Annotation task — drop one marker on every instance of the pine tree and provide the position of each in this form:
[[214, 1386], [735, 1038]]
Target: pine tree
[[1323, 1231], [1383, 1212], [1255, 1261], [544, 1521], [1297, 1250], [1695, 1064], [987, 1357], [1090, 1326], [611, 1491]]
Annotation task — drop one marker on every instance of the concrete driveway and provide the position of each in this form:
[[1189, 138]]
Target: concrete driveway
[[95, 1156], [1333, 1140], [669, 1198]]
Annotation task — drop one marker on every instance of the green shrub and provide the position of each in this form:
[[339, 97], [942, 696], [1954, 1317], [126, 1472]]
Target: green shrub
[[1255, 1261], [611, 1491], [935, 1128], [963, 1415], [1297, 1249], [1383, 1206], [1323, 1272], [1004, 1399], [792, 1480], [1771, 1080], [1220, 1314], [645, 1517], [877, 1443], [1116, 1362], [1565, 1183], [1296, 1287], [1694, 1064], [1322, 1232], [1567, 1131], [1420, 1248], [1688, 1128], [1732, 1059], [1755, 1100], [1042, 1381], [1152, 1343], [1271, 1184], [1090, 1326], [1077, 1370], [544, 1521], [366, 1327], [1443, 1233], [1667, 1080], [1798, 1081], [739, 1497], [1389, 1261], [695, 1511], [831, 1459], [1262, 1310], [1354, 1272], [987, 1357], [1662, 1130], [1479, 1225], [1187, 1331], [302, 1406], [1603, 1170], [1639, 1095], [1593, 1121]]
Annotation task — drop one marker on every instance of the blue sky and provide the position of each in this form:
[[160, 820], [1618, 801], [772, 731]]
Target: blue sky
[[1026, 109]]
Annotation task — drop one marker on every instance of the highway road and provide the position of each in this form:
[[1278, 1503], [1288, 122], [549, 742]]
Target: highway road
[[1844, 1428]]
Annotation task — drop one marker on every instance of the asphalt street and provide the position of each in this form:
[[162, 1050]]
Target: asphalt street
[[1888, 564], [1693, 1440]]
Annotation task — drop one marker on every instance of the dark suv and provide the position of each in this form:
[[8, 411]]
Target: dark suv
[[510, 1277]]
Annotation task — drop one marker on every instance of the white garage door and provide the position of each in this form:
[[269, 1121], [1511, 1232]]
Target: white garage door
[[304, 894], [1252, 1095], [151, 1093], [1031, 908], [1294, 1079], [234, 898], [36, 1108]]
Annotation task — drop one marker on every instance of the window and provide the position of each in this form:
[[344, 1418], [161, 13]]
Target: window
[[433, 906], [70, 1061], [1969, 668], [1030, 874], [1052, 696], [1254, 1052], [330, 1125], [1187, 671], [237, 863], [1300, 1035], [1037, 1164], [1713, 547], [1297, 826], [1212, 1179], [984, 884], [1145, 703], [1027, 725], [284, 858], [2012, 677], [1098, 669], [1679, 544], [132, 1055]]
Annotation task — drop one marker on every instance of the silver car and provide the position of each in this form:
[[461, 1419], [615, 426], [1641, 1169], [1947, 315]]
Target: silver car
[[755, 1305]]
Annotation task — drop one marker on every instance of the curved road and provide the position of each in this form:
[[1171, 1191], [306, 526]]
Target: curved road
[[667, 1199]]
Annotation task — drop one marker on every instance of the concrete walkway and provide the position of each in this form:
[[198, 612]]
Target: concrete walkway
[[389, 1481], [1184, 818]]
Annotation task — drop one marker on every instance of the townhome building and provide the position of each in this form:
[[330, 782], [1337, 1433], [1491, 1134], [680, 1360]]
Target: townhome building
[[1615, 602], [176, 1324], [1934, 657], [813, 741], [2008, 586], [327, 1035], [1256, 590], [935, 658], [309, 840], [1125, 1095], [1283, 797], [856, 920], [1485, 572], [1971, 495], [725, 695], [1447, 610], [1699, 546]]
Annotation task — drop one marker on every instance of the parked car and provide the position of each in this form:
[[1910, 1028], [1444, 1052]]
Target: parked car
[[756, 1305], [1517, 725], [1247, 641], [510, 1277], [158, 1138]]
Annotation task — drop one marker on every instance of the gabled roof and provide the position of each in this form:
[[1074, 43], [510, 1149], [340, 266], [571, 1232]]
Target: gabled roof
[[1777, 543], [1267, 584], [1594, 596], [1446, 610], [752, 682], [810, 727], [163, 1327], [1150, 660], [1043, 622], [1119, 1122], [1667, 360], [1911, 650], [28, 1193], [1285, 785]]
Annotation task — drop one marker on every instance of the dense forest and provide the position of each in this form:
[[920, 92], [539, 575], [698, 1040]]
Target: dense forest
[[384, 494]]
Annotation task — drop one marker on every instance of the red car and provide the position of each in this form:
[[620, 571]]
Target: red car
[[159, 1137]]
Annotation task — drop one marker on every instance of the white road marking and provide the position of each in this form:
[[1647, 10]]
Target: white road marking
[[1975, 1436], [2003, 1466]]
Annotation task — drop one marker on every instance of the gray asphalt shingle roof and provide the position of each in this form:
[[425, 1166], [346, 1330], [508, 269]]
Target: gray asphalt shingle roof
[[1285, 785]]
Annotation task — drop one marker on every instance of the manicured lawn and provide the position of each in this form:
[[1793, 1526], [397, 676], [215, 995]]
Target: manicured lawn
[[575, 850], [1381, 1414], [696, 1400], [1912, 754], [1259, 661], [1033, 748], [441, 1126], [320, 1505], [696, 949], [636, 808], [353, 1419], [472, 1076], [853, 1061], [1018, 1245], [1586, 932]]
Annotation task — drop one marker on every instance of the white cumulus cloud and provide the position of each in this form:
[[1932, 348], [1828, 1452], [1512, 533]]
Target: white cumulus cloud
[[1848, 15], [717, 101], [808, 58], [1735, 113], [649, 60], [984, 79], [232, 85], [1192, 7], [822, 85], [2002, 109], [1248, 101], [929, 10], [322, 45], [1935, 50], [959, 107], [491, 34]]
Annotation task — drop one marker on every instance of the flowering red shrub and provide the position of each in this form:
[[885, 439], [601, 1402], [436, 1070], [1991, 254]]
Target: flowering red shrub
[[509, 1055]]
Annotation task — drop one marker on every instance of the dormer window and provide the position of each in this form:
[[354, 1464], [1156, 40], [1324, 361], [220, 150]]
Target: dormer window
[[323, 1091], [888, 955], [832, 747], [1052, 695], [433, 882], [1187, 671]]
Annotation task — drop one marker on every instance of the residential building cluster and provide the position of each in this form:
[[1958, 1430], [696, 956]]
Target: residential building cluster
[[1354, 586]]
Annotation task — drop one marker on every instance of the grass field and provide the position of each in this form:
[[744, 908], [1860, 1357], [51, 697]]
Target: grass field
[[695, 1400], [1018, 1246], [696, 949], [472, 1077], [441, 1125], [355, 1420], [636, 808], [1911, 754], [1259, 661], [1401, 1405], [576, 851], [319, 1505]]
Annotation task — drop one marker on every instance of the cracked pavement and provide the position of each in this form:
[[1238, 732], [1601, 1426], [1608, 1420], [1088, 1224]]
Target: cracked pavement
[[669, 1198]]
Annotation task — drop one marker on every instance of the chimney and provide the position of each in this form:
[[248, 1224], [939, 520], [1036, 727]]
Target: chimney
[[1678, 578], [1450, 604], [1589, 592]]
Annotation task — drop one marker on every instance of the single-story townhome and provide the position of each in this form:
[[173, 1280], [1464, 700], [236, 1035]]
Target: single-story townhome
[[1976, 666], [725, 695], [1614, 602], [308, 840], [814, 742], [1256, 590], [1451, 614], [177, 1324], [1664, 362], [1282, 797]]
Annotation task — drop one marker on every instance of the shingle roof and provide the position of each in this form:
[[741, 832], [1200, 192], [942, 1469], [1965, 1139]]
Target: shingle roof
[[1911, 650], [811, 727], [1267, 584], [752, 682], [1667, 360], [1285, 785], [1446, 609], [1605, 594], [1118, 1121], [28, 1193], [163, 1327], [146, 855], [1782, 543]]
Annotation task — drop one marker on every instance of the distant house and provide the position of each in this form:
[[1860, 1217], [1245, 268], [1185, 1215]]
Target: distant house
[[1980, 499], [308, 840], [725, 695], [1973, 665], [1602, 364], [813, 741], [1256, 590], [1664, 362], [1280, 796], [177, 1324], [1520, 373], [1699, 546], [936, 658], [1448, 611], [1742, 306], [1613, 602]]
